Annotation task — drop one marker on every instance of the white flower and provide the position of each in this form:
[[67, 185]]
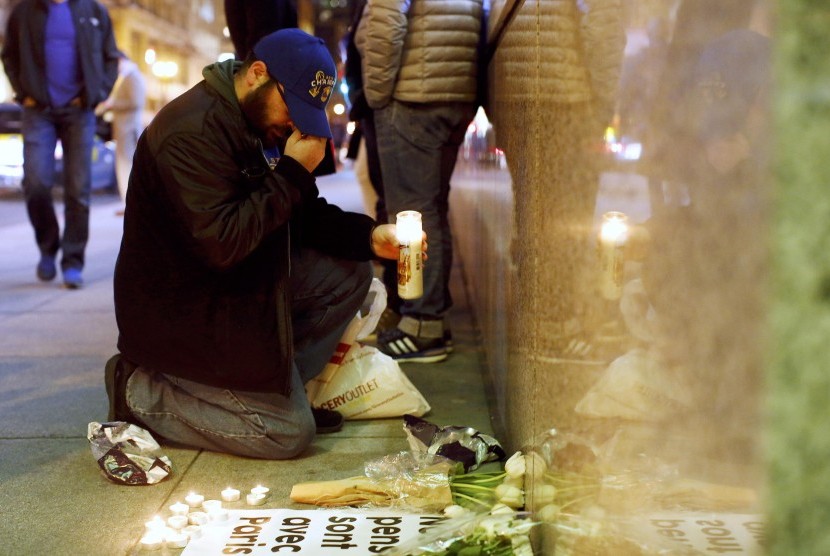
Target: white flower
[[500, 508], [510, 495], [543, 495], [518, 482], [549, 513], [521, 546], [455, 511], [515, 466]]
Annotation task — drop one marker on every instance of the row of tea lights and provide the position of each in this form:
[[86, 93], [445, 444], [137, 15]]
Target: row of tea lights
[[187, 518]]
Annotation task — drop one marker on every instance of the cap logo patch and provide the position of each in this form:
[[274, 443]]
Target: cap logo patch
[[321, 86]]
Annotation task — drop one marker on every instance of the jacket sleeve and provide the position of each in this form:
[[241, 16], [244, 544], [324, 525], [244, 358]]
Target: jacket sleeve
[[11, 55], [603, 38], [225, 214], [111, 55], [381, 34]]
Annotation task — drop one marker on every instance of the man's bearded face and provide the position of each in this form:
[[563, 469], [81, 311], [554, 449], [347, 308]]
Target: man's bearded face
[[267, 113]]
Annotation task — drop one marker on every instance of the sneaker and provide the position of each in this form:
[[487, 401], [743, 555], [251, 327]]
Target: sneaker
[[46, 269], [72, 278], [116, 374], [327, 421], [406, 348]]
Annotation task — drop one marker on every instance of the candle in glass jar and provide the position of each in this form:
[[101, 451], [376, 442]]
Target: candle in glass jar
[[613, 234], [410, 257]]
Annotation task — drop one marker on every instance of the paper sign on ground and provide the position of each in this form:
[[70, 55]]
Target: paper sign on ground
[[311, 532]]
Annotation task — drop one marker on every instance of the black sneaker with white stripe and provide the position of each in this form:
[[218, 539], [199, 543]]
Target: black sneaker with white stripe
[[406, 348]]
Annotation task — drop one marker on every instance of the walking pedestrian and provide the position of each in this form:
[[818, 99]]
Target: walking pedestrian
[[126, 104], [61, 60]]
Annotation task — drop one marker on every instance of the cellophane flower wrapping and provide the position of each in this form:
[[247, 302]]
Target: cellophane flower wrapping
[[127, 454], [465, 445]]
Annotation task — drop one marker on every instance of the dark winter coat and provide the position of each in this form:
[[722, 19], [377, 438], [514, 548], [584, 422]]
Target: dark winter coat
[[24, 58], [201, 281]]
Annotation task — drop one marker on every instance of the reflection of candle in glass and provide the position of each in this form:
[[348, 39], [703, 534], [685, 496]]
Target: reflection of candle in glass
[[230, 495], [197, 518], [255, 499], [177, 540], [177, 521], [210, 505], [154, 525], [410, 257], [612, 237], [259, 489]]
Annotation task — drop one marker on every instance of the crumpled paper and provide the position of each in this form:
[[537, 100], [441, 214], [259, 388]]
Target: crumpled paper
[[465, 445], [127, 454]]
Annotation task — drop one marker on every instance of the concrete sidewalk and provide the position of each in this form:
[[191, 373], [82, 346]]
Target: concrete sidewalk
[[53, 346]]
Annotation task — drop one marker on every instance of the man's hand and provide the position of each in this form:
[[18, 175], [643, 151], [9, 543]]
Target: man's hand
[[385, 242], [308, 150]]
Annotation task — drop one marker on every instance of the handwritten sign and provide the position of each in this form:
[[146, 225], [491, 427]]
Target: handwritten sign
[[312, 532]]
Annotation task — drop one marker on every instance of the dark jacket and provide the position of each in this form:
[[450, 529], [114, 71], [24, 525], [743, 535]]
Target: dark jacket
[[201, 281], [24, 58], [250, 20]]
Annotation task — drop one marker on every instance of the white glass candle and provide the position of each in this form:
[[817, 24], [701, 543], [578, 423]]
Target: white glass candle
[[255, 499], [179, 509], [230, 495], [194, 500], [613, 234], [410, 257]]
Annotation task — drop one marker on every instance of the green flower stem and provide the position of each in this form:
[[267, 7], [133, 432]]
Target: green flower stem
[[576, 487], [470, 498], [478, 478], [472, 488], [574, 501]]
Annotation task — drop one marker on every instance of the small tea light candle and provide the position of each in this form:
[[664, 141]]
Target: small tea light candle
[[193, 531], [255, 499], [194, 500], [177, 540], [154, 525], [198, 518], [259, 489], [177, 521], [210, 505], [218, 515], [152, 541], [230, 495], [179, 509]]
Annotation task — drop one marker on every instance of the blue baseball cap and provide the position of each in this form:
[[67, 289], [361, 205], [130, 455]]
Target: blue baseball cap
[[302, 63]]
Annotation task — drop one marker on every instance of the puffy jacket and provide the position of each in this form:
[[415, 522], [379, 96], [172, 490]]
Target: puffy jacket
[[201, 280], [419, 50], [580, 50], [24, 58]]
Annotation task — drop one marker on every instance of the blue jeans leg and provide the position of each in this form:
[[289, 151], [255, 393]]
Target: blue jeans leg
[[425, 137], [326, 295], [75, 127], [76, 132], [39, 140]]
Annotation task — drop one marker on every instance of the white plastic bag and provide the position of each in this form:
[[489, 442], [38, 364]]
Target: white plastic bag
[[361, 382]]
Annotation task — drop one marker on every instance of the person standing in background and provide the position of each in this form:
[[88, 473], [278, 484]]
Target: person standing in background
[[250, 20], [61, 60], [126, 104], [420, 66]]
